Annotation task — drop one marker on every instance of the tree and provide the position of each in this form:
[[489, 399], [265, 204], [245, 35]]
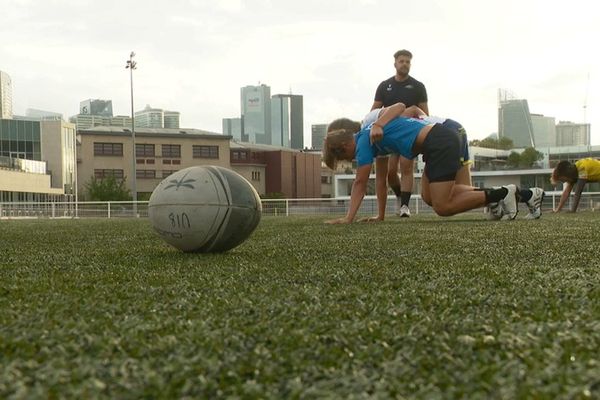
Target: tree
[[513, 160], [503, 143], [107, 189], [526, 159], [530, 156]]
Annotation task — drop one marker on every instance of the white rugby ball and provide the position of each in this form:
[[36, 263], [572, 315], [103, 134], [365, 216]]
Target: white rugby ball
[[204, 209]]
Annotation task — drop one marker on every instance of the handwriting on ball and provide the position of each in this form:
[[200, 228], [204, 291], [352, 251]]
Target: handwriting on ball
[[179, 220]]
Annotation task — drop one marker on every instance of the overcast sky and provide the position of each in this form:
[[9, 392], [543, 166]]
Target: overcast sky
[[194, 55]]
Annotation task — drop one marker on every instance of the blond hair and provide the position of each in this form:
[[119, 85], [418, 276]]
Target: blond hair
[[333, 146]]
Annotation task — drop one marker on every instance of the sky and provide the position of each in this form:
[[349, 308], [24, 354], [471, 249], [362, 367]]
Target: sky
[[194, 56]]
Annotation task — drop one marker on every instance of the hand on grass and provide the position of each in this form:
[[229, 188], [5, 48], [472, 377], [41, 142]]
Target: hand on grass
[[371, 219], [342, 220]]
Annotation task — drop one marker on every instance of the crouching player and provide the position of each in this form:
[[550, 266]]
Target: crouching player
[[441, 149]]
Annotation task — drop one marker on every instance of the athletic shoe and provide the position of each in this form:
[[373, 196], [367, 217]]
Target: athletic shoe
[[494, 211], [398, 207], [509, 202], [404, 212], [535, 203]]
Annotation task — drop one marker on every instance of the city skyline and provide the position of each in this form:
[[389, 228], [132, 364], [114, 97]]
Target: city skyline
[[333, 54]]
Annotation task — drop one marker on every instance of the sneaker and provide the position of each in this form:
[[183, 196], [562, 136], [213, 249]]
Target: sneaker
[[494, 211], [509, 202], [535, 203], [404, 212], [398, 207]]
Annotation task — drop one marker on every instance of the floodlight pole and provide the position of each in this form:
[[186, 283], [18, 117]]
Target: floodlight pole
[[131, 65]]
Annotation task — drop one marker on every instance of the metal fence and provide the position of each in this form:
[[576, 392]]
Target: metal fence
[[277, 208]]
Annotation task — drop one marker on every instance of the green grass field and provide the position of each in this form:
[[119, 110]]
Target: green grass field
[[426, 308]]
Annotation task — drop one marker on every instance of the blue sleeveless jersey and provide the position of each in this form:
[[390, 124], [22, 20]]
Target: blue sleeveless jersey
[[398, 138]]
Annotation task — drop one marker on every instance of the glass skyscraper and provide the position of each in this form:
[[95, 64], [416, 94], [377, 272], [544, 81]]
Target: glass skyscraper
[[514, 122], [256, 114], [287, 126]]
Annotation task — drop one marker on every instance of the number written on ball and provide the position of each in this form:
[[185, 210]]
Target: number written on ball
[[180, 220]]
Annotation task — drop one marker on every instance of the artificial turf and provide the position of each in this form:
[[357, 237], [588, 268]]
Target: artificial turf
[[424, 307]]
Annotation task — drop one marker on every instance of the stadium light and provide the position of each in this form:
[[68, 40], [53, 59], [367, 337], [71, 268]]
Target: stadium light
[[131, 65]]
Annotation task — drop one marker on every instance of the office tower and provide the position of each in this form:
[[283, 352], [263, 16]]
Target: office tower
[[233, 127], [572, 134], [149, 118], [256, 114], [40, 115], [96, 107], [514, 120], [544, 130], [5, 96], [287, 126], [171, 119], [318, 135]]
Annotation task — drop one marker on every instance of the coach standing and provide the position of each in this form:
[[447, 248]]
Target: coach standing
[[405, 89]]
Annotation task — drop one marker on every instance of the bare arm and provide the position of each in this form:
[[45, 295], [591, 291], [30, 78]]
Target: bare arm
[[565, 195], [578, 190], [359, 188], [386, 115], [381, 189], [423, 106], [376, 104], [414, 112]]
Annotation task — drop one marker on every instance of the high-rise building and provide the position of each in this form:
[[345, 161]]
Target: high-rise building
[[171, 119], [514, 120], [572, 134], [233, 127], [41, 115], [96, 107], [318, 135], [149, 118], [256, 114], [5, 96], [544, 130], [287, 116]]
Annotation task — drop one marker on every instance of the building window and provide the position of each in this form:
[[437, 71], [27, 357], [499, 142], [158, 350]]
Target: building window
[[150, 161], [171, 150], [105, 173], [145, 174], [140, 161], [166, 173], [239, 155], [108, 149], [144, 150], [168, 162], [205, 151], [256, 175]]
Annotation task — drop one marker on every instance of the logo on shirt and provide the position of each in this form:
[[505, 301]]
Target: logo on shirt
[[389, 88]]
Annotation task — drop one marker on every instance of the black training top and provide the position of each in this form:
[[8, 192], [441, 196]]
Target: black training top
[[411, 92]]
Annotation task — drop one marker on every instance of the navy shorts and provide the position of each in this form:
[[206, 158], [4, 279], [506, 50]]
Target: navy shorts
[[442, 154], [462, 133]]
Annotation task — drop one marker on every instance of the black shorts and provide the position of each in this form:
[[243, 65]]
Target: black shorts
[[442, 154]]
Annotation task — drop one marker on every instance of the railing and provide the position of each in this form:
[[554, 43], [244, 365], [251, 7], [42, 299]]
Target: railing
[[271, 207]]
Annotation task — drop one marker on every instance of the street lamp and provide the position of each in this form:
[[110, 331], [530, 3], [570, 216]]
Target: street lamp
[[132, 65]]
